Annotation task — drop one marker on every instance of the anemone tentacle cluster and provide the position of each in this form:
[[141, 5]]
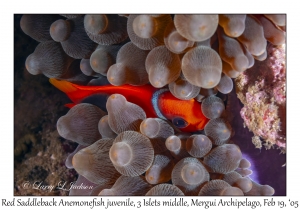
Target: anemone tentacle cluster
[[195, 57]]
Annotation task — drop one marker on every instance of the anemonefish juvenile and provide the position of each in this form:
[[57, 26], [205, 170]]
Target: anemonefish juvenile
[[184, 114]]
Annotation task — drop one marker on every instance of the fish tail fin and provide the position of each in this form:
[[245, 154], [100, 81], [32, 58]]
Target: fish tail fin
[[64, 86], [77, 93]]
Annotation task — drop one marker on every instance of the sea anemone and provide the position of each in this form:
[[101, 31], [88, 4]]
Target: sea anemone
[[75, 74], [235, 179], [196, 27], [231, 51], [259, 190], [174, 41], [80, 124], [128, 186], [229, 71], [223, 159], [86, 68], [90, 162], [188, 175], [218, 130], [225, 85], [123, 115], [163, 66], [202, 66], [105, 29], [156, 128], [129, 67], [219, 187], [212, 107], [198, 145], [183, 90], [160, 170], [49, 59], [104, 128], [131, 153], [68, 161], [37, 26], [244, 163], [278, 19], [176, 145], [253, 36], [60, 30], [73, 39], [271, 32], [103, 57], [146, 31], [164, 190], [233, 25]]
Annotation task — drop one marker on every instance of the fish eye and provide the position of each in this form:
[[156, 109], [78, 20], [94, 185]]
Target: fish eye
[[179, 122]]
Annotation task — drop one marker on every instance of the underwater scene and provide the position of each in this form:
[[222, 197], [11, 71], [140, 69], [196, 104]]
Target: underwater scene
[[150, 104]]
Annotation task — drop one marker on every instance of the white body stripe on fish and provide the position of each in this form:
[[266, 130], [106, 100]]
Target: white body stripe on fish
[[154, 101]]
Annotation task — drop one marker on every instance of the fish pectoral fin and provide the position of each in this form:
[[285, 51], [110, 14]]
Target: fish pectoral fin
[[70, 105]]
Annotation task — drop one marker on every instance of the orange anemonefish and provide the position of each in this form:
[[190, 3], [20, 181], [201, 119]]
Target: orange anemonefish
[[184, 114]]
